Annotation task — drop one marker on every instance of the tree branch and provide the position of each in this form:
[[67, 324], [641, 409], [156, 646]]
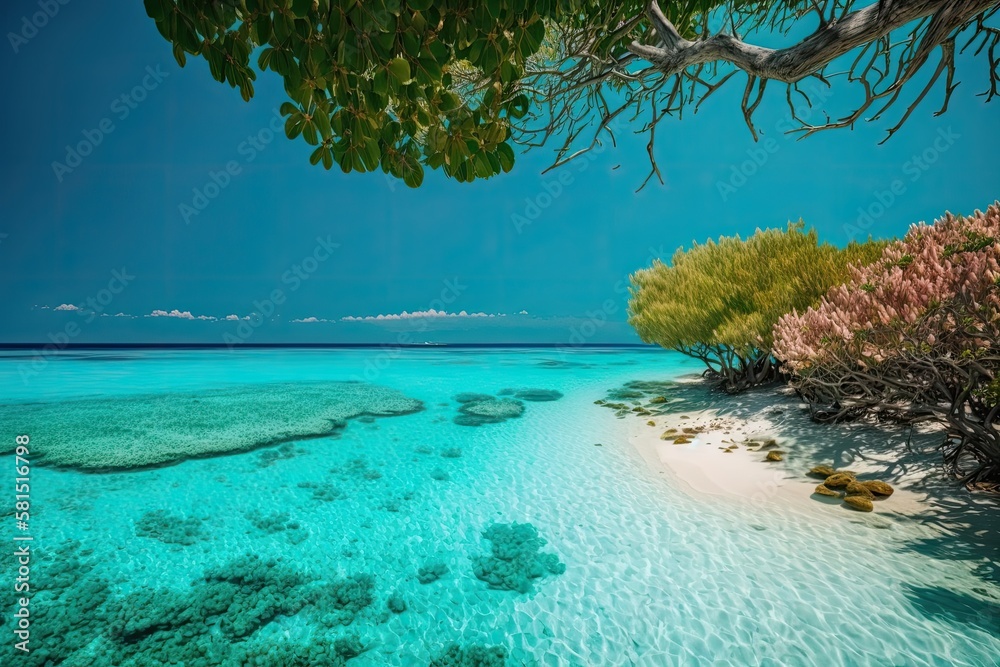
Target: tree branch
[[796, 62]]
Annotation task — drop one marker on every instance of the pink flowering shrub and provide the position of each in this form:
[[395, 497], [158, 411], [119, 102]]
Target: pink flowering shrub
[[957, 259], [914, 335]]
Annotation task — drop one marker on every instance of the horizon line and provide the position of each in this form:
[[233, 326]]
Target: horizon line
[[372, 345]]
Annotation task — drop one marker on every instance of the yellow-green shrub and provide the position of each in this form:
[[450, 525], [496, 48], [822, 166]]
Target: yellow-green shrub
[[719, 301]]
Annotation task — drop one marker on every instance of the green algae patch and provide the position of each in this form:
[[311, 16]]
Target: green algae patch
[[516, 559], [141, 431]]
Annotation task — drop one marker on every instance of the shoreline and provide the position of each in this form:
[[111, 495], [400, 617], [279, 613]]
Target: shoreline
[[724, 460]]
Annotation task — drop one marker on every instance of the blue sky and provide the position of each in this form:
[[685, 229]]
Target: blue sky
[[366, 246]]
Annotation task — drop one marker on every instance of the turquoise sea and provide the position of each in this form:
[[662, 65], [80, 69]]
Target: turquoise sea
[[393, 520]]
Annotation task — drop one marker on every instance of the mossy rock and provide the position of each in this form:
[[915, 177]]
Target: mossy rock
[[839, 480], [774, 455], [682, 440], [822, 472], [859, 489], [878, 488], [650, 423], [824, 490], [859, 503], [657, 400]]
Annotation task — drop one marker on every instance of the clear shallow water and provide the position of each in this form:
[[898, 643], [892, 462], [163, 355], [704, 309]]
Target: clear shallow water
[[653, 576]]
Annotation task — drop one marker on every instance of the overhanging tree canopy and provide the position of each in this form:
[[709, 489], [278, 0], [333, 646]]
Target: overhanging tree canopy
[[406, 84]]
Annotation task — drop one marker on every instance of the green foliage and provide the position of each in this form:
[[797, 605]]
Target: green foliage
[[727, 295], [373, 84], [397, 85]]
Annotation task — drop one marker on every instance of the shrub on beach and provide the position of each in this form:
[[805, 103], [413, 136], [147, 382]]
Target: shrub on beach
[[913, 335], [719, 301]]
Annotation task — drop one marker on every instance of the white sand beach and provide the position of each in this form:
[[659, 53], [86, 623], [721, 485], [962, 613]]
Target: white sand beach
[[724, 459]]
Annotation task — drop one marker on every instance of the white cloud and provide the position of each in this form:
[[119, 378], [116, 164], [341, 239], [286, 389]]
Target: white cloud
[[235, 318], [415, 315], [310, 320], [67, 306], [523, 312], [182, 315]]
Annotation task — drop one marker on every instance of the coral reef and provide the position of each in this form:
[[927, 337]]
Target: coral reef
[[431, 571], [115, 433], [278, 522], [269, 457], [488, 410], [67, 612], [473, 655], [396, 604], [154, 627], [170, 528], [534, 395], [323, 492], [516, 559]]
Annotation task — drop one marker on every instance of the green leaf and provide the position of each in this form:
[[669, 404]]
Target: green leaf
[[399, 68], [506, 156]]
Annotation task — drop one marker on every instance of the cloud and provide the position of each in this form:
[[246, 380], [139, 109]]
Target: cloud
[[523, 312], [67, 306], [310, 320], [416, 315], [234, 318], [182, 315]]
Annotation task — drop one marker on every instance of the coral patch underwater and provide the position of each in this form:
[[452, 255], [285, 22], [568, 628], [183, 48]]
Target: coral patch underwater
[[146, 430]]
